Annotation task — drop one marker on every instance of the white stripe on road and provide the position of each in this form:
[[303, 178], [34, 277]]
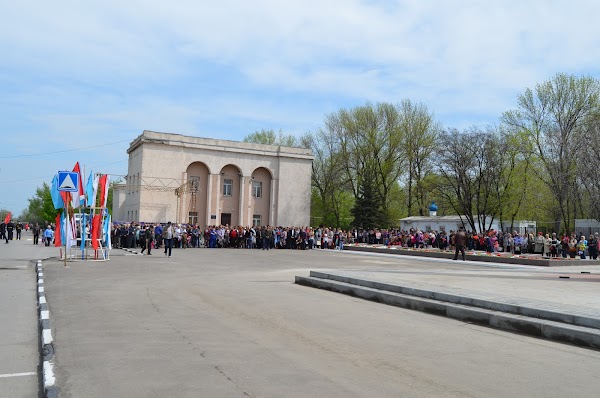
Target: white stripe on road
[[42, 300], [40, 290], [18, 374], [45, 315]]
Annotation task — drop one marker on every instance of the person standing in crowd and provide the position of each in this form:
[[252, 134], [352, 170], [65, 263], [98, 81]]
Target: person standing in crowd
[[572, 246], [48, 234], [168, 235], [36, 233], [158, 235], [582, 246], [18, 229], [148, 239], [459, 243], [10, 227], [3, 231], [593, 246]]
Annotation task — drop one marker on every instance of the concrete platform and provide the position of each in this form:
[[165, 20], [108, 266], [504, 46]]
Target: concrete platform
[[540, 262], [560, 306]]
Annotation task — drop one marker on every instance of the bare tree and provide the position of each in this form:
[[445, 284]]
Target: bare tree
[[420, 140], [555, 116], [471, 165]]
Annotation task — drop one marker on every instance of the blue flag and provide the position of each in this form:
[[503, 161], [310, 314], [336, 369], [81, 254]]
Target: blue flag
[[89, 191], [56, 198]]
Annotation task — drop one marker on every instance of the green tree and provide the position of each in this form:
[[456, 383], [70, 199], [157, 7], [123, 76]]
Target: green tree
[[369, 137], [419, 143], [40, 208], [269, 137], [368, 210], [473, 166], [556, 115]]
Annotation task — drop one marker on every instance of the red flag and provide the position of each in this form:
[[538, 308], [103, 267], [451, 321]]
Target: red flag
[[96, 231], [57, 242], [102, 190], [78, 197], [66, 197], [7, 218]]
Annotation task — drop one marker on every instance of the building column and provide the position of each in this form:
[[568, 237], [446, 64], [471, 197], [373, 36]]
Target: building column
[[218, 200], [241, 200], [272, 220], [209, 199], [250, 214]]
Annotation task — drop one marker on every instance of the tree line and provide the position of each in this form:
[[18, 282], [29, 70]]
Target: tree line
[[376, 163]]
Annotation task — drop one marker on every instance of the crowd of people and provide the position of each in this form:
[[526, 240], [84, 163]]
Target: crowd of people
[[148, 236]]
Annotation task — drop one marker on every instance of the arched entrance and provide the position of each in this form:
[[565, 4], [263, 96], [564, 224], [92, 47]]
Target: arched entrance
[[196, 197], [260, 197], [229, 198]]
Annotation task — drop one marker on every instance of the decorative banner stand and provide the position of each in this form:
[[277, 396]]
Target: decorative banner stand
[[68, 183]]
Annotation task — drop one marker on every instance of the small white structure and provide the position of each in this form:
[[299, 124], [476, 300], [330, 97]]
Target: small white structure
[[452, 223], [436, 223], [587, 226]]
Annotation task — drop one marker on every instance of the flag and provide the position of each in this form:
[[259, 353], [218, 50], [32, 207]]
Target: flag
[[55, 194], [94, 191], [103, 188], [66, 197], [89, 191], [106, 186], [63, 227], [96, 231], [78, 197], [107, 224], [7, 218], [71, 232], [57, 241]]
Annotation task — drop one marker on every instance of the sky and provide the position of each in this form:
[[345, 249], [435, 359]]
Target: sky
[[80, 80]]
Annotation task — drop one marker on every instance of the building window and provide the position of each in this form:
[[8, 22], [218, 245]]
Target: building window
[[193, 217], [227, 187], [257, 189], [194, 183], [256, 220]]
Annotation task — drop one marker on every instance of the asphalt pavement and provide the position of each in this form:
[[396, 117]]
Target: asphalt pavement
[[232, 323], [19, 337]]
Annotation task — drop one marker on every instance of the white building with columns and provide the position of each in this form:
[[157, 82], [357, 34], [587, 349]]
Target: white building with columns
[[204, 181]]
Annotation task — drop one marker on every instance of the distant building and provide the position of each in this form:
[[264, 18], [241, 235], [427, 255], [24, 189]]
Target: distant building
[[586, 226], [185, 179], [433, 222]]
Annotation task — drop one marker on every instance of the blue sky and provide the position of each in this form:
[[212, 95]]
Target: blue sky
[[81, 80]]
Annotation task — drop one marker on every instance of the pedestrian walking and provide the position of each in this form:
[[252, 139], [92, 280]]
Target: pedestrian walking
[[36, 233], [459, 243]]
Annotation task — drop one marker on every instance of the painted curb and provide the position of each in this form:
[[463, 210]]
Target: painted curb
[[46, 339]]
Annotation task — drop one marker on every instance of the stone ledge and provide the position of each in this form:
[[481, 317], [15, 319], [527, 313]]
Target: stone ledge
[[470, 257]]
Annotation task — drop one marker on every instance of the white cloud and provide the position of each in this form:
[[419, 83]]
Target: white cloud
[[71, 71]]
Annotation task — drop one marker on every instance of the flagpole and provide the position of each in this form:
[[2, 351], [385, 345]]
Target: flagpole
[[66, 228]]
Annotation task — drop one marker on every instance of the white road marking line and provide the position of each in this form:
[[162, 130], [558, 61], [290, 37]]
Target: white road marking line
[[42, 300], [18, 374], [40, 290], [45, 315]]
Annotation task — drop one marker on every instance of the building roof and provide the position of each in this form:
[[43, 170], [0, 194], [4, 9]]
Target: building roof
[[435, 218], [185, 141]]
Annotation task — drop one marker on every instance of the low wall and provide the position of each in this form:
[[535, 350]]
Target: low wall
[[540, 262]]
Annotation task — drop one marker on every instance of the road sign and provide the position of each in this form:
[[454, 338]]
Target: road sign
[[67, 181]]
